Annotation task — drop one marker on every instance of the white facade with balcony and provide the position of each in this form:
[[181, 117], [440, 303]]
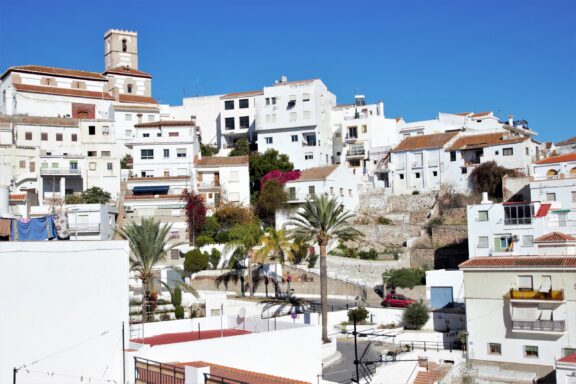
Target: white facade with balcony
[[223, 180], [238, 117]]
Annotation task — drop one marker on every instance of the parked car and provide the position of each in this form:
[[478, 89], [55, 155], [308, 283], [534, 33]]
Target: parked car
[[396, 300], [379, 290]]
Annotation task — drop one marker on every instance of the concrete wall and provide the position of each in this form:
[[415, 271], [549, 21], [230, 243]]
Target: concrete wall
[[64, 303]]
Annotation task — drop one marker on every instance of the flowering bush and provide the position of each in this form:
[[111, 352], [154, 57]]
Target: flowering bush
[[280, 176]]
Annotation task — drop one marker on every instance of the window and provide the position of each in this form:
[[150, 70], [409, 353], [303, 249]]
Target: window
[[147, 154], [110, 166], [574, 196], [92, 153], [482, 215], [525, 282], [354, 163], [527, 241], [293, 116], [268, 140], [44, 136], [267, 101], [504, 243], [92, 166], [158, 134], [331, 190], [518, 214], [105, 154], [229, 123], [32, 166], [452, 156], [129, 88], [180, 152], [74, 137], [417, 174], [494, 349], [234, 177], [311, 190], [244, 122], [292, 193], [166, 173], [91, 130], [350, 192], [105, 130], [527, 151], [401, 175], [308, 156], [124, 45], [243, 103], [291, 102], [531, 351], [306, 115], [483, 242], [507, 151], [273, 100], [294, 138], [306, 97], [364, 129], [22, 163], [551, 197], [341, 191], [352, 132], [173, 134], [59, 137], [166, 153], [174, 254], [28, 136], [128, 116], [229, 104], [73, 165], [145, 135], [434, 173]]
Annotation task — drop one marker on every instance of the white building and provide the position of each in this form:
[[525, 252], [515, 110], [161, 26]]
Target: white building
[[566, 146], [238, 117], [295, 120], [206, 110], [555, 167], [223, 179], [444, 288], [81, 289], [332, 181]]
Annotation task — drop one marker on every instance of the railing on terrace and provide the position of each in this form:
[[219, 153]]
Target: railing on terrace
[[153, 372], [540, 325], [85, 227], [356, 152], [59, 171], [208, 184], [431, 345], [517, 221], [517, 294], [210, 378]]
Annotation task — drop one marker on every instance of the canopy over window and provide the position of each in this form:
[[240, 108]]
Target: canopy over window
[[151, 190]]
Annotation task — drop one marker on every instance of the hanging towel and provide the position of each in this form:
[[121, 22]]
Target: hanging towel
[[4, 227], [61, 224], [40, 228]]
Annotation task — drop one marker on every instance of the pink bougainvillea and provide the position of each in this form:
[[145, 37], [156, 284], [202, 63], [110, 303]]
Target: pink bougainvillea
[[280, 176]]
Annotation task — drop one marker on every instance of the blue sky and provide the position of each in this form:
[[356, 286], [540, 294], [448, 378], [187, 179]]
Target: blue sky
[[419, 57]]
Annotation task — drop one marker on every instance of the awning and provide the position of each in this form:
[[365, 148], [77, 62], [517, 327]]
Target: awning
[[525, 313], [151, 190], [546, 284], [546, 314]]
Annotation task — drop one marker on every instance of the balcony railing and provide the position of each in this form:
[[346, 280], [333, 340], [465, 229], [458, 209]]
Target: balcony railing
[[540, 325], [59, 171], [517, 294], [518, 221], [85, 227], [153, 372], [356, 152], [208, 184]]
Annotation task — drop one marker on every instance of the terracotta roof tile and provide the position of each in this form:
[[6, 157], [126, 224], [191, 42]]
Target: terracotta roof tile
[[558, 159], [481, 114], [243, 375], [235, 95], [124, 98], [166, 123], [569, 141], [17, 197], [221, 161], [462, 113], [42, 70], [62, 91], [520, 262], [437, 140], [318, 173], [127, 71], [38, 120], [484, 140], [555, 237]]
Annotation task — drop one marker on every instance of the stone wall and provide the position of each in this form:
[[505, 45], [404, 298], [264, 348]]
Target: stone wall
[[367, 270], [454, 216], [449, 234], [377, 201], [422, 257], [382, 236]]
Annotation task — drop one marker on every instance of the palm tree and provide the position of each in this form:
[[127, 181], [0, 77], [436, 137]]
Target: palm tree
[[275, 246], [321, 220], [148, 242], [243, 238]]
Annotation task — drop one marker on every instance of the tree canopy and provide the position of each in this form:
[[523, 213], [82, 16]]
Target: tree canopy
[[487, 177], [263, 163], [405, 277], [241, 148]]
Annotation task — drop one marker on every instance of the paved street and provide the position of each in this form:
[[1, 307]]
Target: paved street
[[343, 370]]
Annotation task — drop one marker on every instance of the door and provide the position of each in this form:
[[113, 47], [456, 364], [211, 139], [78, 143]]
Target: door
[[440, 297]]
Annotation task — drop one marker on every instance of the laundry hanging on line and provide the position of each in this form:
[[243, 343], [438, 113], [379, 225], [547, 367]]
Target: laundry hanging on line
[[38, 228]]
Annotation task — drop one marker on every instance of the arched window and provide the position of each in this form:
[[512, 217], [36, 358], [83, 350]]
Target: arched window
[[551, 172], [573, 171], [124, 45], [129, 88]]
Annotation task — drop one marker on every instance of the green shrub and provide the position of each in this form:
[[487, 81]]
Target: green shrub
[[214, 258], [371, 254], [179, 312], [195, 261], [415, 316], [312, 260], [405, 277], [210, 227], [384, 220], [73, 199], [359, 314], [415, 192], [177, 297], [164, 317], [222, 237], [203, 240]]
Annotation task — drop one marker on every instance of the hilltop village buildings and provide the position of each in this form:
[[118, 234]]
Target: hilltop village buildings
[[64, 131]]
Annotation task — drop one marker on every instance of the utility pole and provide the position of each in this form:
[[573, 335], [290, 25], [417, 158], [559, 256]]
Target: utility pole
[[14, 373], [356, 362]]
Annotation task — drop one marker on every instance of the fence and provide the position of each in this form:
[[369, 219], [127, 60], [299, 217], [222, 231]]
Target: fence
[[153, 372]]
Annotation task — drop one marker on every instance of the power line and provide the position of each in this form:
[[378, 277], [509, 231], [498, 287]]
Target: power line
[[82, 378]]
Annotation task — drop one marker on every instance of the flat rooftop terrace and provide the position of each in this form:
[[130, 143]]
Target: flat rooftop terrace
[[182, 337]]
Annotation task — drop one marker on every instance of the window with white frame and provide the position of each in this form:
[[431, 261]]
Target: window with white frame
[[482, 241], [527, 241], [531, 351], [92, 166], [110, 166], [311, 190], [524, 282], [482, 215], [550, 196], [180, 152], [105, 153], [294, 138], [146, 154], [494, 349], [308, 156], [166, 153]]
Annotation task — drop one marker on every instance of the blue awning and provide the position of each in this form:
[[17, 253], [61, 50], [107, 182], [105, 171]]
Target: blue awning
[[151, 190]]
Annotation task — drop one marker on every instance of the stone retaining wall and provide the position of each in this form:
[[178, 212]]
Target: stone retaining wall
[[449, 234]]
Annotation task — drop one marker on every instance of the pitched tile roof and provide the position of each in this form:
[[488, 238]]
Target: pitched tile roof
[[124, 98], [568, 360], [558, 159], [520, 262], [235, 95], [436, 140], [569, 141], [40, 120], [221, 161], [62, 91], [166, 123], [127, 71], [42, 70], [242, 375], [484, 140], [481, 114], [555, 237], [317, 173]]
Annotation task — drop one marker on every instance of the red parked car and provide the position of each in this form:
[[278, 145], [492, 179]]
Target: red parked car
[[396, 300]]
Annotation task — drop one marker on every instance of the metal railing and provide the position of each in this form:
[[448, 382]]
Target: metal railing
[[356, 152], [153, 372], [431, 345], [518, 221], [540, 325], [59, 171], [85, 227]]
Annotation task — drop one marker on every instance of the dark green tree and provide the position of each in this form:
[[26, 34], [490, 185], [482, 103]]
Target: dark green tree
[[360, 314], [241, 148], [272, 196], [262, 163], [195, 261], [208, 150], [126, 162], [415, 316], [405, 277], [95, 195]]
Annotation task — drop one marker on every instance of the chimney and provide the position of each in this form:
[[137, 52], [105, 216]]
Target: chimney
[[511, 120], [283, 79], [485, 198], [193, 118]]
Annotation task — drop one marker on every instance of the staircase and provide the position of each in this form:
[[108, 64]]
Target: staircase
[[433, 374]]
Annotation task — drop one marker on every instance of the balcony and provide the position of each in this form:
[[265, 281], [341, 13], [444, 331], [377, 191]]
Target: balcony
[[540, 325], [351, 138], [85, 228], [213, 184], [60, 172], [517, 294], [356, 152]]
